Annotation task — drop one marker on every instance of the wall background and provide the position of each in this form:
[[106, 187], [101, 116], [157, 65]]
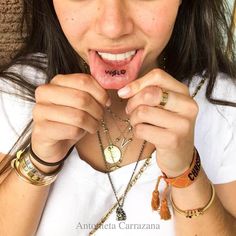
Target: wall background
[[10, 37]]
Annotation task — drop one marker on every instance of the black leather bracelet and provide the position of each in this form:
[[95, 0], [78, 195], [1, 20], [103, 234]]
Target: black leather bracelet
[[49, 163]]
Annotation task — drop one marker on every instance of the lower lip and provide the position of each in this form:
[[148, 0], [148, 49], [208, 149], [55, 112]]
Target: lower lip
[[114, 75]]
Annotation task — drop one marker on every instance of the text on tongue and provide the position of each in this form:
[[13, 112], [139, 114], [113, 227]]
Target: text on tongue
[[115, 72]]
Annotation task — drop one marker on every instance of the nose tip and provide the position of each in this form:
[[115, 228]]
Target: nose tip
[[114, 22]]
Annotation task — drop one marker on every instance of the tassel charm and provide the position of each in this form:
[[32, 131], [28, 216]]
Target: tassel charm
[[180, 181], [155, 196], [155, 200], [164, 210]]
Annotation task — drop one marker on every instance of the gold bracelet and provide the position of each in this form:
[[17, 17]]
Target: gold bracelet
[[31, 180], [195, 212], [28, 172], [24, 178]]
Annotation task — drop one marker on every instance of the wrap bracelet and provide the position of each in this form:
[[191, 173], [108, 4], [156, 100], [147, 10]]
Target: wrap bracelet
[[34, 156], [181, 181], [26, 170]]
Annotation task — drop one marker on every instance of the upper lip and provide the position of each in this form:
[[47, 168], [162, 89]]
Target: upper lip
[[115, 50]]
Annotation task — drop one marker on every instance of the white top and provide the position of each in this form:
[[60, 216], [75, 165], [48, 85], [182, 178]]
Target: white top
[[81, 195]]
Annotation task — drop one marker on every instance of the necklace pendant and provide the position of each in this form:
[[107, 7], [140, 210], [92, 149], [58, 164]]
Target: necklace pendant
[[112, 154], [125, 142], [120, 214]]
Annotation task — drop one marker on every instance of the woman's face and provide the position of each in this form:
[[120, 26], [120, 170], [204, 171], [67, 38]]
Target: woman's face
[[119, 39]]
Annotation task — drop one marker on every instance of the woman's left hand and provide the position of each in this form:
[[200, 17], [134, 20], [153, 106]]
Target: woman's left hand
[[170, 128]]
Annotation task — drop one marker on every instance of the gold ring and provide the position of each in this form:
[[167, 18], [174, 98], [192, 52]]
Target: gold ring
[[164, 98]]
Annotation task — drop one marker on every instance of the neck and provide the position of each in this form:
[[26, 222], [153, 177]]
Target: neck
[[118, 104]]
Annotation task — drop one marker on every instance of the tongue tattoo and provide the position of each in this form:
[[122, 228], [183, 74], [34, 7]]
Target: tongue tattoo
[[115, 72]]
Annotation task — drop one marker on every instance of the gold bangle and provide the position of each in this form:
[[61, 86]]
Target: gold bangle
[[34, 178], [26, 157], [195, 212], [18, 171], [22, 177], [27, 171]]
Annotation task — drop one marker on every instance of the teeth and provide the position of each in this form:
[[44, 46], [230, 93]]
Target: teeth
[[117, 57]]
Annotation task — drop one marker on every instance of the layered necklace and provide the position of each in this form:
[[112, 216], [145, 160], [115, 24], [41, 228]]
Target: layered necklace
[[113, 155], [115, 150]]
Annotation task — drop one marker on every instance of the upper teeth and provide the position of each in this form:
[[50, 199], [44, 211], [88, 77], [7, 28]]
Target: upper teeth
[[117, 57]]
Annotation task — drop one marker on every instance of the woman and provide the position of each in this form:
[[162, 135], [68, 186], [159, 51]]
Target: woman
[[118, 89]]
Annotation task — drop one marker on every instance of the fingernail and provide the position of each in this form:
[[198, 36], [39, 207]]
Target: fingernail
[[126, 110], [124, 91], [108, 104]]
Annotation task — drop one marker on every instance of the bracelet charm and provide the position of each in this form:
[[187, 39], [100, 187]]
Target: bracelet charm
[[195, 212]]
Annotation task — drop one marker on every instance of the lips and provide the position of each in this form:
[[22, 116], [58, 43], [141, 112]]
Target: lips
[[114, 74]]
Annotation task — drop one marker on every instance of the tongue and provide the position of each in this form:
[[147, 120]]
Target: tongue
[[114, 75]]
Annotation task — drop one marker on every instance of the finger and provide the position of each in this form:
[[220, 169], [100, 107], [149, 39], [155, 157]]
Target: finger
[[83, 82], [156, 77], [159, 137], [57, 131], [70, 97], [160, 118], [152, 96], [66, 115]]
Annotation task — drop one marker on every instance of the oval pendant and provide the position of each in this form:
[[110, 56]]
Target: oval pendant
[[112, 154]]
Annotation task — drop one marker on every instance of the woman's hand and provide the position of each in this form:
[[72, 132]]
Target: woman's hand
[[65, 110], [171, 128]]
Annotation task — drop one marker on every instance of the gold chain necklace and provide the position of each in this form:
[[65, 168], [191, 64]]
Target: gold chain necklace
[[113, 154], [199, 86], [127, 134], [137, 176], [132, 183], [120, 213]]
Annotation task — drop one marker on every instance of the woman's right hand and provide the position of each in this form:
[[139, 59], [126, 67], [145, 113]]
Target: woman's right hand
[[65, 110]]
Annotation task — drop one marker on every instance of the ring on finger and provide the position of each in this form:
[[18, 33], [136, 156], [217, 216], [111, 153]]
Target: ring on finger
[[164, 98]]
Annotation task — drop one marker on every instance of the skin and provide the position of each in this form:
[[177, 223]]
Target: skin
[[130, 25], [70, 108], [118, 24], [149, 25]]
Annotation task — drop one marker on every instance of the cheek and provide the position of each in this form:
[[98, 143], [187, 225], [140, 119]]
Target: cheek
[[158, 23], [73, 24]]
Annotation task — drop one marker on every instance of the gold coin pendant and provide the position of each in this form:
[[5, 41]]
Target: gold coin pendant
[[112, 154]]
